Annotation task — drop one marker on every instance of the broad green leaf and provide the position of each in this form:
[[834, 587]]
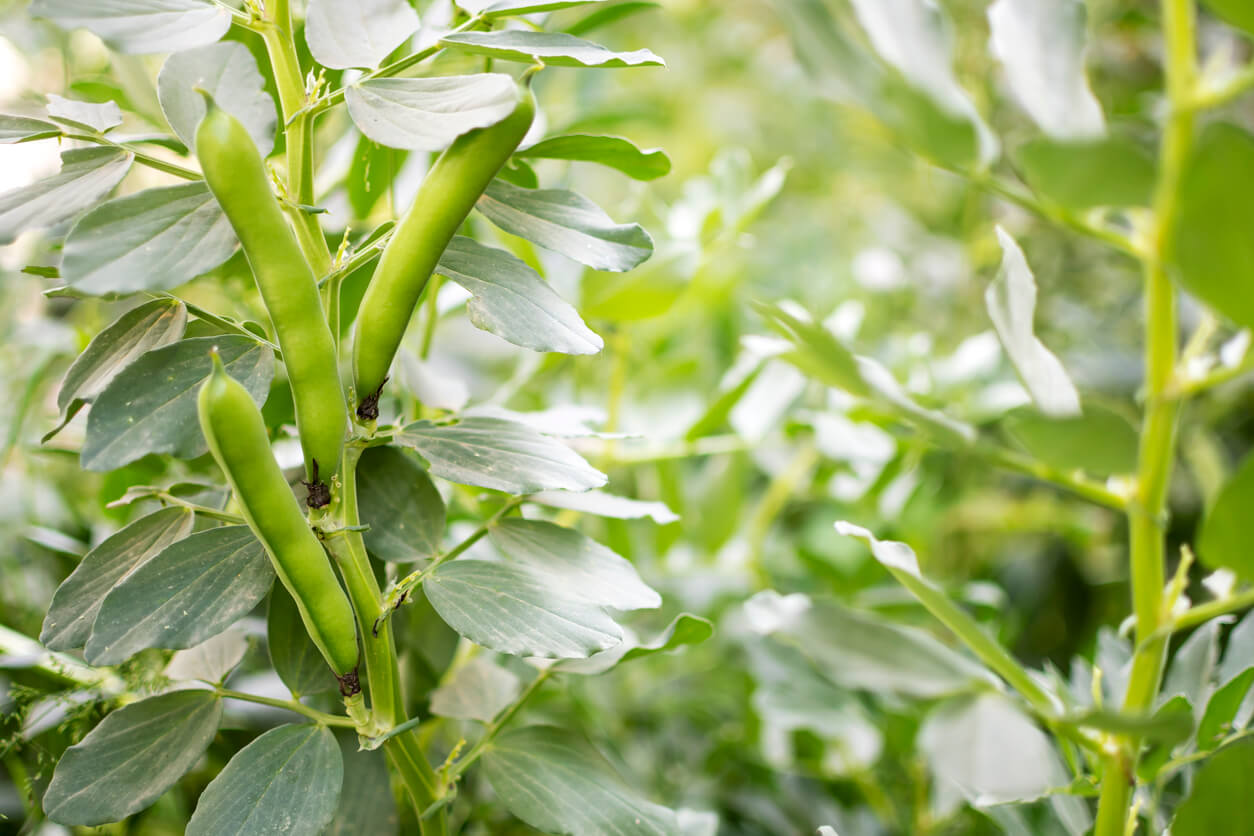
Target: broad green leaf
[[510, 299], [141, 26], [1100, 440], [557, 783], [815, 350], [86, 176], [577, 563], [151, 325], [371, 176], [226, 71], [1192, 667], [1224, 541], [366, 806], [606, 505], [1111, 171], [427, 114], [501, 8], [76, 115], [686, 629], [150, 406], [1217, 801], [1011, 301], [400, 504], [156, 239], [913, 37], [1040, 43], [556, 49], [987, 751], [343, 34], [567, 223], [479, 690], [192, 590], [1223, 709], [1237, 12], [288, 780], [15, 129], [612, 151], [610, 14], [77, 600], [211, 660], [1239, 652], [500, 455], [514, 610], [1169, 725], [295, 657], [1211, 251], [131, 758]]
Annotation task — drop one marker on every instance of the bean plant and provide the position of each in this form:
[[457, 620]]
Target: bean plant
[[350, 496]]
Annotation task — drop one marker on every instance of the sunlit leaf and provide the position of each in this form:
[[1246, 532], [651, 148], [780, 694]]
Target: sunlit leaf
[[228, 73], [556, 49], [141, 26], [427, 114], [357, 33], [86, 176]]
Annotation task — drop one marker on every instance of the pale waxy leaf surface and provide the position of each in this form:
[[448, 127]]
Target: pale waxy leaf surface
[[141, 26], [86, 176], [576, 562], [567, 223], [427, 114], [131, 758], [556, 49], [357, 33], [226, 71], [77, 600], [479, 690], [612, 151], [14, 129], [1224, 540], [150, 407], [501, 8], [1041, 45], [156, 239], [192, 590], [288, 780], [94, 116], [514, 610], [604, 504], [1011, 302], [151, 325], [510, 299], [400, 504], [295, 657], [499, 455], [686, 629], [557, 783], [212, 660]]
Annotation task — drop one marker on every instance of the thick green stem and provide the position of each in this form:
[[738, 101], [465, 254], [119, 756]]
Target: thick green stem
[[1147, 512]]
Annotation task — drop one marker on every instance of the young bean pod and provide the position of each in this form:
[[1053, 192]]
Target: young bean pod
[[236, 433], [237, 176], [446, 196]]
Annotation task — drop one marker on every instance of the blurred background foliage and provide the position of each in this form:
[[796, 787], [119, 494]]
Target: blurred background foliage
[[776, 193]]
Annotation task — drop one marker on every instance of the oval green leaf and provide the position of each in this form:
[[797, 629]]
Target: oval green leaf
[[556, 49], [86, 175], [612, 151], [400, 504]]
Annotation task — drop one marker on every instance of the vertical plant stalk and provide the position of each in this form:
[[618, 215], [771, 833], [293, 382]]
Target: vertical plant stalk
[[276, 32], [1147, 511]]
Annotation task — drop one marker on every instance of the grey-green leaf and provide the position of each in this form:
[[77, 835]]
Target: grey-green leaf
[[1100, 441], [567, 223], [92, 116], [295, 657], [612, 151], [77, 600], [192, 590], [288, 780], [366, 806], [577, 563], [514, 610], [510, 299], [151, 325], [1220, 786], [557, 49], [131, 758], [141, 26], [1224, 541], [343, 34], [400, 504], [1083, 174], [86, 175], [501, 8], [686, 629], [1041, 45], [500, 455], [607, 505], [427, 114], [479, 690], [1011, 301], [150, 407], [156, 239], [559, 784], [1211, 250], [14, 129], [226, 71]]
